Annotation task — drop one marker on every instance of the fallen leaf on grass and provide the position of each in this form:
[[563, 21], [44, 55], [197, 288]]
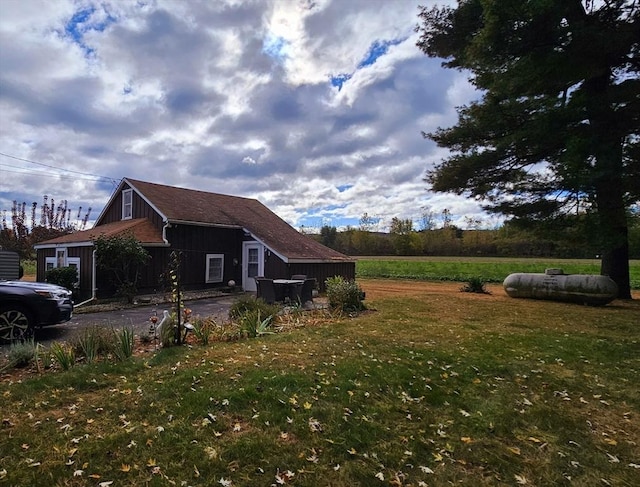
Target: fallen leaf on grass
[[613, 458], [212, 453], [521, 479]]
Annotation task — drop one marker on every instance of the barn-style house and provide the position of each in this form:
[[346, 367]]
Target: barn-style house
[[220, 238]]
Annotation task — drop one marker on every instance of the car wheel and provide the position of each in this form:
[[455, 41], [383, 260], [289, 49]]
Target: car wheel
[[16, 323]]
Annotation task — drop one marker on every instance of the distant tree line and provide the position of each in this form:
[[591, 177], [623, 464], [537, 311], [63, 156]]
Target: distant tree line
[[26, 226], [555, 239]]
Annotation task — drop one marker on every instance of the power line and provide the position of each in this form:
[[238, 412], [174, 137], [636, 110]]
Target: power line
[[33, 172], [57, 168]]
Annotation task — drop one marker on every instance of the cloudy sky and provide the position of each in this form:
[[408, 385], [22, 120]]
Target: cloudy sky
[[314, 107]]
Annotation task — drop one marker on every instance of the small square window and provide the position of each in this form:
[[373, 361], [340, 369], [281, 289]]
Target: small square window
[[127, 204], [215, 268]]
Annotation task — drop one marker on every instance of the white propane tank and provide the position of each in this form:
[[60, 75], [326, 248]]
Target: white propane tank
[[554, 284]]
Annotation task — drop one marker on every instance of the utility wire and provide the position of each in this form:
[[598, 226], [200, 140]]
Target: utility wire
[[33, 172], [57, 168]]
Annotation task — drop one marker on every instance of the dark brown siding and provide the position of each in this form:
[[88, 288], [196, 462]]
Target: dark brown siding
[[86, 269], [140, 209], [41, 258], [322, 271], [194, 243], [275, 268]]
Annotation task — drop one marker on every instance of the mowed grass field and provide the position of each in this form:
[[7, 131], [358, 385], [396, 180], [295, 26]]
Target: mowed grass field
[[429, 387], [490, 269]]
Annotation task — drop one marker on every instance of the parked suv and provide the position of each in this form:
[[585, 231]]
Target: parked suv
[[26, 305]]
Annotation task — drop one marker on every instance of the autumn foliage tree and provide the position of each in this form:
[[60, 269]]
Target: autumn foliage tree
[[25, 227]]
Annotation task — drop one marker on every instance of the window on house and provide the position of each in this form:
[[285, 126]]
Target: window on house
[[75, 263], [127, 204], [215, 268], [61, 257]]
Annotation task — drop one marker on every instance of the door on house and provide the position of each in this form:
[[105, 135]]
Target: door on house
[[252, 264]]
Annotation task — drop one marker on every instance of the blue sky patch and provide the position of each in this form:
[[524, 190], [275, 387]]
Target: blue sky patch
[[339, 80], [81, 23], [273, 46], [377, 49], [344, 187]]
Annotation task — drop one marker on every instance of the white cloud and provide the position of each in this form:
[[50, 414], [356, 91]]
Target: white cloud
[[232, 96]]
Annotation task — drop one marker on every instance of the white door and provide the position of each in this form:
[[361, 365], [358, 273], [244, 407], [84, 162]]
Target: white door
[[252, 264]]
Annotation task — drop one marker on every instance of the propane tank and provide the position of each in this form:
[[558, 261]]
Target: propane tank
[[554, 284]]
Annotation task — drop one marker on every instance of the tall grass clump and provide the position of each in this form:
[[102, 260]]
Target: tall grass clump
[[344, 294], [124, 342], [203, 329], [64, 354], [254, 315], [93, 342], [250, 304], [253, 324]]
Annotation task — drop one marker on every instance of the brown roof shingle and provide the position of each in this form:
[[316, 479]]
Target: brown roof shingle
[[141, 228], [201, 207]]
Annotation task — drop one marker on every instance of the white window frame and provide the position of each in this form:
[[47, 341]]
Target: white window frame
[[213, 279], [127, 207], [74, 262], [50, 263]]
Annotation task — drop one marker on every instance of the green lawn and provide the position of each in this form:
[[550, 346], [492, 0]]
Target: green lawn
[[426, 388], [464, 268]]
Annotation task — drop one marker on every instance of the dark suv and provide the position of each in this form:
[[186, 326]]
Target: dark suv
[[26, 305]]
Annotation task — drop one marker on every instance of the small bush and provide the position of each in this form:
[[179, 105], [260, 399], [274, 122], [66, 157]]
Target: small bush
[[63, 354], [63, 276], [22, 354], [475, 285], [248, 304], [344, 294]]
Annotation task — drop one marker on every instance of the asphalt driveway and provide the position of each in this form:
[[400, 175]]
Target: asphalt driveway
[[137, 318]]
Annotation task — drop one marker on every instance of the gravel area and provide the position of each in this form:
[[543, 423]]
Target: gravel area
[[150, 299]]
